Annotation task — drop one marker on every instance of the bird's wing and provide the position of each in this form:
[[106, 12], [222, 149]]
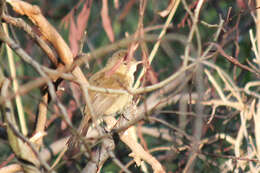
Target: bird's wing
[[103, 103]]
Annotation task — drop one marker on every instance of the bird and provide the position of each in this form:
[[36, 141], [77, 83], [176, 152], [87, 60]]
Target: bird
[[118, 73]]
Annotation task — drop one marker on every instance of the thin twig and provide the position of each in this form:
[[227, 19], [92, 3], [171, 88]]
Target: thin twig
[[18, 99]]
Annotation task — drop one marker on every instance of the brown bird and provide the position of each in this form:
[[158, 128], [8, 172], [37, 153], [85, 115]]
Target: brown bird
[[117, 74]]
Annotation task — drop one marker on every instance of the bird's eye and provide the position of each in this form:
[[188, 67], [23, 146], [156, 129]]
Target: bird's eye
[[125, 57]]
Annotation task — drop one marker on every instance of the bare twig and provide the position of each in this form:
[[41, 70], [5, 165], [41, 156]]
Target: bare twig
[[18, 99]]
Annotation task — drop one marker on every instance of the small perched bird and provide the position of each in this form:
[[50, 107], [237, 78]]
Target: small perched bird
[[117, 74]]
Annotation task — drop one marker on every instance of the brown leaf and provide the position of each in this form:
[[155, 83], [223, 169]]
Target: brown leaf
[[77, 29], [241, 4], [73, 40], [150, 73], [106, 21], [83, 16], [66, 20], [126, 9], [116, 4], [152, 76]]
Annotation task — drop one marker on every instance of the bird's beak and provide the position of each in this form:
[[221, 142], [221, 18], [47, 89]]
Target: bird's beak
[[138, 62], [133, 66]]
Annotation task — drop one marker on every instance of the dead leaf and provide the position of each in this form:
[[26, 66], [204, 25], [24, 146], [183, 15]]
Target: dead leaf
[[116, 4], [78, 28], [106, 21], [126, 9], [152, 76]]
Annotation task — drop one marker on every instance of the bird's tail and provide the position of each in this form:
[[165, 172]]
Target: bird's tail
[[75, 140]]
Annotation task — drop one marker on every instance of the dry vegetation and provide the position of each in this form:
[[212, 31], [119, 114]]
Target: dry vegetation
[[196, 105]]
